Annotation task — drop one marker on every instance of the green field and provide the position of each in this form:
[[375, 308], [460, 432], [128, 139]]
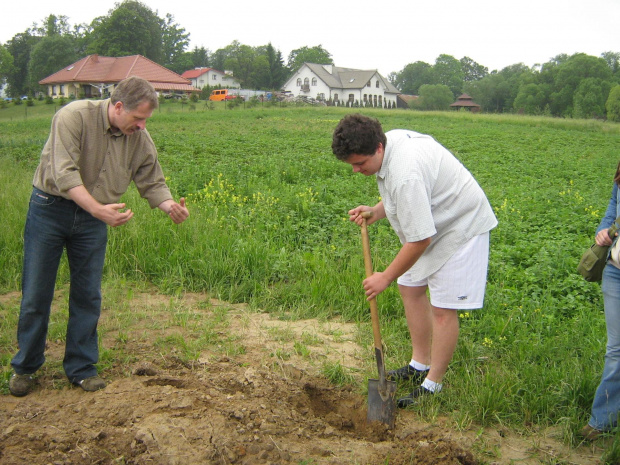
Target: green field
[[269, 227]]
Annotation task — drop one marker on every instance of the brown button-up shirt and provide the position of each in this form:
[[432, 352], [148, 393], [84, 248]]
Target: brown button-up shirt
[[83, 149]]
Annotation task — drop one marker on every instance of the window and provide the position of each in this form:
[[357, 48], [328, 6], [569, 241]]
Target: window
[[365, 97], [377, 85], [321, 97], [351, 97], [306, 82], [314, 81], [335, 97], [375, 100], [298, 82], [368, 85], [214, 77]]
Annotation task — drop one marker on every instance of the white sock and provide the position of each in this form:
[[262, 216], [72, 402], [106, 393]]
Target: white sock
[[432, 386], [419, 366]]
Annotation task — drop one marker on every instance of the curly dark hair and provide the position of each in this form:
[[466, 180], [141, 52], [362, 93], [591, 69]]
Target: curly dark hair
[[357, 134]]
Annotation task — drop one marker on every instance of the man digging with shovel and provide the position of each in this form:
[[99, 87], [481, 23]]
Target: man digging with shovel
[[442, 218]]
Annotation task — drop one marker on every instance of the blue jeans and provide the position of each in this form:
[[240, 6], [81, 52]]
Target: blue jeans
[[54, 223], [606, 405]]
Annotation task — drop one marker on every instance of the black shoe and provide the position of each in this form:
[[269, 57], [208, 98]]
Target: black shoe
[[412, 397], [92, 384], [21, 385], [407, 372]]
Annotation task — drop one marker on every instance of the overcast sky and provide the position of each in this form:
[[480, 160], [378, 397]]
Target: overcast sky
[[382, 35]]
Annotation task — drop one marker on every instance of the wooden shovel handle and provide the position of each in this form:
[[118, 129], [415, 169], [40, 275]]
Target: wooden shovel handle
[[374, 312]]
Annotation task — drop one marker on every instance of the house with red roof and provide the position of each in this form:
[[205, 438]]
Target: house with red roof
[[97, 76], [201, 77]]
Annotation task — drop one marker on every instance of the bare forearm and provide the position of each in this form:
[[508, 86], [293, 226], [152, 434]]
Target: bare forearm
[[108, 213], [406, 257], [378, 211], [82, 197]]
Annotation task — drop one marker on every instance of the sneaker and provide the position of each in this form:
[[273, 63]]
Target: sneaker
[[412, 397], [20, 385], [590, 434], [94, 383], [407, 373]]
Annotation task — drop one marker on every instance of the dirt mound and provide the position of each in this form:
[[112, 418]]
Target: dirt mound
[[248, 408]]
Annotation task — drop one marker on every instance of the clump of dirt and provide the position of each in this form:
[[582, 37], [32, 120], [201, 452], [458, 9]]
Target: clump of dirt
[[249, 408]]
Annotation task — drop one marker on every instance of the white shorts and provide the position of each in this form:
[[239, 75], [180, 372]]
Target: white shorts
[[460, 283]]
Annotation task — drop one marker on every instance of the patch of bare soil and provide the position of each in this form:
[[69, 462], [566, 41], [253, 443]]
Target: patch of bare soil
[[249, 408]]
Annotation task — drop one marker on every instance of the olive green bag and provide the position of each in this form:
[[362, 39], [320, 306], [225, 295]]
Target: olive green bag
[[594, 259]]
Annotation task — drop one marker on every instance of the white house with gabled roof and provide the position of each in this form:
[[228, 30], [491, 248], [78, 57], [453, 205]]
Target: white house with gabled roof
[[201, 77], [336, 84]]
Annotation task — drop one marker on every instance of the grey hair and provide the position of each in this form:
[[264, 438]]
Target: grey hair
[[133, 91]]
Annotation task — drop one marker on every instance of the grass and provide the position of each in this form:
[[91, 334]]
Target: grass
[[268, 227]]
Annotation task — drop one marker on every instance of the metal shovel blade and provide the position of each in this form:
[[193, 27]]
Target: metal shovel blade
[[381, 402], [381, 395]]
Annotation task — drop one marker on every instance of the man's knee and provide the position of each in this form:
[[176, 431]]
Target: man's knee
[[445, 316]]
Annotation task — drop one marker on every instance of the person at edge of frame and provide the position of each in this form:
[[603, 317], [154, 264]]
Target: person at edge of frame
[[443, 220], [94, 150], [606, 403]]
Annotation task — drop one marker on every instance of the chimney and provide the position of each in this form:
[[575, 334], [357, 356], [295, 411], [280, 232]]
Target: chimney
[[95, 58]]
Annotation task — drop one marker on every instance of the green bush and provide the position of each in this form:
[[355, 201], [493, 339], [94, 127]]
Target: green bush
[[613, 104]]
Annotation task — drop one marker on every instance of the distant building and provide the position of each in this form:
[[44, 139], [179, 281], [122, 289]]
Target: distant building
[[404, 100], [97, 76], [201, 77], [332, 83], [465, 101]]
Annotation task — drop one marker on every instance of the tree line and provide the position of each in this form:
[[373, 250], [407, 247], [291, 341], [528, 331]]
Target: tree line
[[575, 86], [578, 86]]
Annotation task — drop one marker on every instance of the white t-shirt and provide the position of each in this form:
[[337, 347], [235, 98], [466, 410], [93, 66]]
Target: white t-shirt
[[426, 193]]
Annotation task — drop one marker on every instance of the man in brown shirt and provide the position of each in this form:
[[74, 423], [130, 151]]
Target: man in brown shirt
[[94, 151]]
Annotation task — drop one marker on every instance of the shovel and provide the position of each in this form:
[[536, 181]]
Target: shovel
[[381, 392]]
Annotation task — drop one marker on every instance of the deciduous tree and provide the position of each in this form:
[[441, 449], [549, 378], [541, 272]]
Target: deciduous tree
[[19, 47], [414, 75], [531, 99], [472, 71], [434, 97], [6, 64], [570, 73], [613, 104], [589, 98], [316, 54], [49, 55], [130, 28], [449, 73], [174, 42]]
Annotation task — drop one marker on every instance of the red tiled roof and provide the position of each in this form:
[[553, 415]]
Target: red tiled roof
[[194, 73], [99, 69]]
